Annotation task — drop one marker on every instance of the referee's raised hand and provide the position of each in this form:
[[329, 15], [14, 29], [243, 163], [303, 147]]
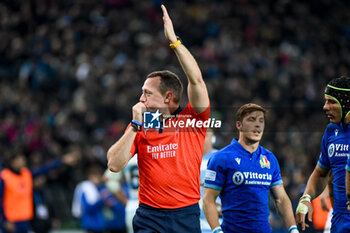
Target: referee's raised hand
[[168, 26]]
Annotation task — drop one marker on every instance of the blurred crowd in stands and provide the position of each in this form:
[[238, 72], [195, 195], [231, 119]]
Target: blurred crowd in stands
[[71, 70]]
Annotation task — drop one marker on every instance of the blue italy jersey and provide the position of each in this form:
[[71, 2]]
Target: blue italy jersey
[[334, 155], [244, 180]]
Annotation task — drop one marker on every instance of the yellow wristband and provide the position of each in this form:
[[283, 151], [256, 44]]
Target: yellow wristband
[[174, 45]]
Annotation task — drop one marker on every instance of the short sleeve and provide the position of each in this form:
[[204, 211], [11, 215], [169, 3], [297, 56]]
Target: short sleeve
[[276, 175], [215, 175]]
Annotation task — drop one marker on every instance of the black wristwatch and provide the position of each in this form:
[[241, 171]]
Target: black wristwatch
[[136, 125]]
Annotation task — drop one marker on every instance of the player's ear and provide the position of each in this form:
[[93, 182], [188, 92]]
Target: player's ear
[[239, 125], [168, 97]]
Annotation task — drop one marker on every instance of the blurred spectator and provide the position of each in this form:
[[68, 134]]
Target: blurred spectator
[[322, 208], [44, 219], [16, 191], [88, 204], [116, 200], [99, 206]]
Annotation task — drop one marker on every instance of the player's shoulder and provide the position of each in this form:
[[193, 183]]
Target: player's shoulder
[[232, 148], [185, 110], [210, 154], [86, 186], [333, 129], [191, 111], [332, 126], [221, 154], [266, 152], [229, 149]]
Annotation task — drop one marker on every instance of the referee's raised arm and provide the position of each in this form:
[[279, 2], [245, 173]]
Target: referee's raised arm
[[196, 90]]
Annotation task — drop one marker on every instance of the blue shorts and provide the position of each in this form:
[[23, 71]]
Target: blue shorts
[[149, 220], [340, 223]]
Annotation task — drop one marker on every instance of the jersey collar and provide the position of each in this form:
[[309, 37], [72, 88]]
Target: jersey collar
[[238, 146]]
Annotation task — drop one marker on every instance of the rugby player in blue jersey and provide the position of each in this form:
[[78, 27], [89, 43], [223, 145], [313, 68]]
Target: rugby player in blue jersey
[[347, 182], [242, 174], [334, 154]]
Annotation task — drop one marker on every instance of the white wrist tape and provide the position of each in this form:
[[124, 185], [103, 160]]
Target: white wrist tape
[[293, 229], [217, 230], [305, 197], [302, 208]]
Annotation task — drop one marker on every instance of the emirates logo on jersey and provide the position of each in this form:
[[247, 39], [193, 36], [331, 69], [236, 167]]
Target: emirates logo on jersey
[[163, 151]]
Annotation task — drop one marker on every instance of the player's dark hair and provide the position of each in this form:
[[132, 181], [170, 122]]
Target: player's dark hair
[[169, 82], [94, 170], [248, 108]]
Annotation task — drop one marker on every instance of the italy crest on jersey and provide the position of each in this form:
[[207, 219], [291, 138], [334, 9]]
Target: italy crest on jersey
[[264, 162]]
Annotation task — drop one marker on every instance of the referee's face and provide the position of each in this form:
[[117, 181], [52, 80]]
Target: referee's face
[[332, 110], [151, 96], [252, 126]]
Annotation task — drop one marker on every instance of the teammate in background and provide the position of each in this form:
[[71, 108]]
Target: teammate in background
[[44, 215], [208, 152], [347, 182], [169, 159], [16, 191], [242, 174], [334, 153], [131, 173], [116, 199], [88, 203]]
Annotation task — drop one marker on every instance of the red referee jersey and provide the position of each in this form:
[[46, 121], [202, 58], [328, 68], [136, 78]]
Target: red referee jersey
[[169, 162]]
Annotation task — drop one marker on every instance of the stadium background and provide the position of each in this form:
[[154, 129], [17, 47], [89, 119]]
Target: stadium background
[[70, 71]]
